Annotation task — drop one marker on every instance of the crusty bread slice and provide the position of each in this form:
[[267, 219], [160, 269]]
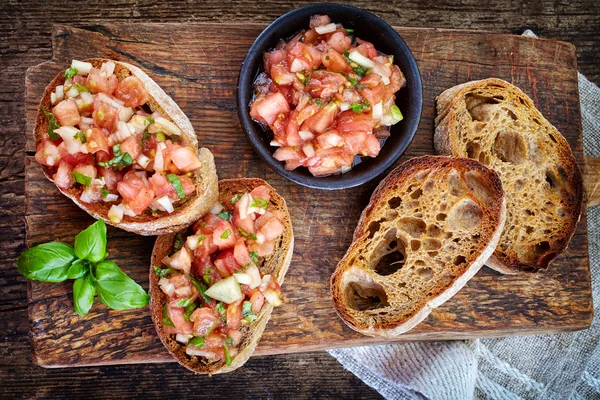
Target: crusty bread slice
[[205, 178], [276, 264], [429, 227], [496, 123]]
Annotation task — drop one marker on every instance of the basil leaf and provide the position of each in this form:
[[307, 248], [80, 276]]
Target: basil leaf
[[319, 102], [226, 215], [259, 202], [247, 313], [359, 107], [150, 120], [254, 257], [227, 356], [78, 269], [52, 124], [349, 31], [81, 136], [222, 310], [90, 244], [166, 320], [105, 192], [176, 182], [160, 136], [81, 88], [71, 72], [185, 302], [226, 234], [116, 289], [355, 83], [83, 295], [246, 234], [208, 275], [235, 198], [48, 262], [197, 341], [201, 289], [178, 242], [163, 271], [189, 310], [119, 159], [81, 178]]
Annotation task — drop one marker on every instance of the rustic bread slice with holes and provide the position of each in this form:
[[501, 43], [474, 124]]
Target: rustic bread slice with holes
[[147, 223], [275, 264], [496, 123], [429, 227]]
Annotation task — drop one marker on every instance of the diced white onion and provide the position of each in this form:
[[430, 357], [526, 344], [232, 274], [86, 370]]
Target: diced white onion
[[83, 68], [306, 135], [115, 214], [86, 97], [323, 29], [242, 278], [53, 98], [360, 59], [67, 133], [73, 92], [127, 211], [167, 126], [254, 273], [111, 197], [216, 208], [309, 150], [345, 169], [275, 143], [138, 123], [60, 92], [182, 338], [159, 162], [166, 203], [297, 66], [272, 297], [243, 204], [87, 120], [192, 241], [110, 101], [260, 238], [167, 287], [143, 161], [382, 71], [108, 67], [192, 351], [377, 111], [344, 106], [125, 113]]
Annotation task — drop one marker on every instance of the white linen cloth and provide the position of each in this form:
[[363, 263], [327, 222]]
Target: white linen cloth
[[564, 366]]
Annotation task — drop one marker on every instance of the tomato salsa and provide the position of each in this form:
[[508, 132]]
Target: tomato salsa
[[327, 96], [212, 282], [103, 138]]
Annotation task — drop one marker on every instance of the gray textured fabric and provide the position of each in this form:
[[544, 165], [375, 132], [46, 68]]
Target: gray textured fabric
[[565, 366]]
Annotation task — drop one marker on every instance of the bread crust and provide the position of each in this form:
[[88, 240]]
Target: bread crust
[[386, 212], [205, 178], [540, 175], [276, 264]]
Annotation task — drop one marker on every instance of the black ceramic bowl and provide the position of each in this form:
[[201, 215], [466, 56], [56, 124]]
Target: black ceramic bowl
[[368, 27]]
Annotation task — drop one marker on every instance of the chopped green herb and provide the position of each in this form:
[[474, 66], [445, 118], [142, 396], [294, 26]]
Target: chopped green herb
[[81, 136], [160, 136], [226, 234], [227, 356], [197, 341], [359, 107], [259, 202], [176, 182], [81, 88], [178, 242], [150, 120], [246, 234], [119, 159], [229, 340], [52, 124], [208, 276], [185, 302], [162, 272], [355, 83], [201, 289], [247, 313], [226, 215], [306, 80], [349, 31], [319, 102], [254, 257], [189, 310], [222, 310], [165, 317], [105, 192], [235, 199], [360, 70], [145, 137], [71, 72], [81, 178], [327, 58]]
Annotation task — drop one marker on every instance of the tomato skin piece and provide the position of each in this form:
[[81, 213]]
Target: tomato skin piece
[[336, 62], [272, 228], [63, 177], [349, 121], [96, 140], [268, 108], [142, 201], [47, 153], [184, 158], [274, 57], [130, 186], [222, 238], [67, 113], [176, 315], [258, 300], [132, 92], [205, 319], [241, 253], [229, 262], [234, 315], [133, 146], [323, 119], [97, 82]]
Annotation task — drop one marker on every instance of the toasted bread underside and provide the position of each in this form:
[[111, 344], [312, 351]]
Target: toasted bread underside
[[496, 123], [276, 264], [205, 178], [429, 227]]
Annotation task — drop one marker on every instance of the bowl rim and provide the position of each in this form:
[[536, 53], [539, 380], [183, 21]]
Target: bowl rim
[[249, 126]]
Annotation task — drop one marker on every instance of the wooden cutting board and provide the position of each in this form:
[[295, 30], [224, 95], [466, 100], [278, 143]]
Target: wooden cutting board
[[198, 64]]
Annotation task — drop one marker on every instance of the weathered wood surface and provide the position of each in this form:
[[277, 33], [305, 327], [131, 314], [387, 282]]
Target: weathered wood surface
[[26, 42], [197, 64]]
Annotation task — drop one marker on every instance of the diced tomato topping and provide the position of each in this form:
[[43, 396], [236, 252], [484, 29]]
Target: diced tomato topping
[[63, 177], [267, 109], [66, 113], [325, 84], [339, 42], [142, 201], [281, 75], [264, 192], [241, 253], [73, 159], [97, 82], [221, 268], [366, 48], [323, 119], [257, 299], [224, 235], [205, 249], [130, 186], [104, 115], [229, 262], [205, 320], [247, 224], [176, 315], [336, 62], [263, 249], [47, 153], [272, 229], [372, 146], [133, 146], [184, 158], [132, 92], [303, 58], [349, 121], [234, 315], [274, 57]]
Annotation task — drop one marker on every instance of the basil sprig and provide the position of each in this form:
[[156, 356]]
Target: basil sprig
[[119, 160], [176, 182], [52, 124], [85, 262]]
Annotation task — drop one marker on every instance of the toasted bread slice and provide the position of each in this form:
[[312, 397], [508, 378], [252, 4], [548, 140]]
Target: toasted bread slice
[[429, 227], [496, 123], [205, 178], [276, 264]]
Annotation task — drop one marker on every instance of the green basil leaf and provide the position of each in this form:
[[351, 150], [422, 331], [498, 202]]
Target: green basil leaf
[[105, 192], [160, 136], [178, 242], [197, 341], [227, 356], [185, 302], [222, 310], [83, 294], [81, 178], [162, 271], [176, 182], [226, 215], [201, 287], [116, 289], [166, 320], [78, 269], [90, 244], [254, 257], [81, 136], [319, 102], [52, 124], [48, 262], [226, 234], [81, 88], [247, 312], [259, 202], [235, 198], [189, 310], [246, 234], [150, 120], [119, 159], [359, 107], [71, 72]]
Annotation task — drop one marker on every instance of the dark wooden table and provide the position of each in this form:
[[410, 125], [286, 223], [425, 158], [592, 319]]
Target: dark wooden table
[[24, 41]]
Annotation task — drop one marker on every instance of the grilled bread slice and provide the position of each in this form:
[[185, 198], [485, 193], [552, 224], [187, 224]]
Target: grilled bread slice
[[496, 123], [205, 177], [429, 227], [276, 264]]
